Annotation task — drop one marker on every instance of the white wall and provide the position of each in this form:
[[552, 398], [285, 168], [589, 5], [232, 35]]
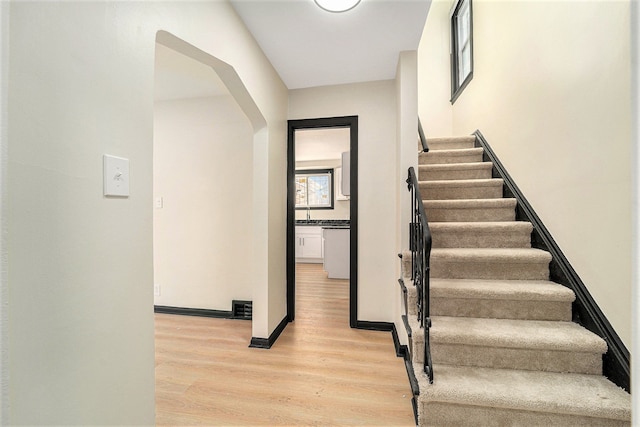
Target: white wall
[[434, 89], [81, 266], [374, 104], [551, 92], [341, 208], [203, 172], [4, 288]]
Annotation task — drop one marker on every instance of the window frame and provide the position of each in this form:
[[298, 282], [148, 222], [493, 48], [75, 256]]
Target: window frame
[[332, 196], [458, 86]]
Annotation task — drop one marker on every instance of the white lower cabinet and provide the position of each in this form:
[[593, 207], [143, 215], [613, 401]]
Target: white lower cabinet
[[309, 244], [336, 258]]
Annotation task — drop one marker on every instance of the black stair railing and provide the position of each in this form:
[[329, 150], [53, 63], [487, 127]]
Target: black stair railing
[[420, 246], [423, 139]]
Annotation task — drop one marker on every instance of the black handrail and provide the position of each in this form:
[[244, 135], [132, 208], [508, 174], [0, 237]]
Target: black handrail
[[420, 246], [423, 139]]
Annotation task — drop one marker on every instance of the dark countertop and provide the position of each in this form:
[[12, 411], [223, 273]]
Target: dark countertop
[[326, 223]]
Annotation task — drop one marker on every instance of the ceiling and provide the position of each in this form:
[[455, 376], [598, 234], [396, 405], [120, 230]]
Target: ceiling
[[311, 47]]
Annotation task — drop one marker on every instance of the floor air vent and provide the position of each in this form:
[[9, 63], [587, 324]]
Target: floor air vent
[[241, 309]]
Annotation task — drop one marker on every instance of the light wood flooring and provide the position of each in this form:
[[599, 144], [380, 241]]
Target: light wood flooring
[[319, 372]]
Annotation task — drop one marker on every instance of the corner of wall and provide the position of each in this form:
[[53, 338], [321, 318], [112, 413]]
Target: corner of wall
[[635, 112], [4, 303], [434, 109], [407, 156]]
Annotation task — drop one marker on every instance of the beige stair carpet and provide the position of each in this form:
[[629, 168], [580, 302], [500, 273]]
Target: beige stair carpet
[[433, 172], [504, 348], [504, 234], [474, 210], [506, 299]]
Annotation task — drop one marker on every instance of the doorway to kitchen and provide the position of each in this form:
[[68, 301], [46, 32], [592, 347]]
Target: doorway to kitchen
[[322, 199]]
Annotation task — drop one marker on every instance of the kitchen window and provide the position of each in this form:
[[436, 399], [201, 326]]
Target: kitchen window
[[461, 47], [314, 189]]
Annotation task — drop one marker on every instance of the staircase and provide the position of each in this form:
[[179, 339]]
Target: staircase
[[503, 346]]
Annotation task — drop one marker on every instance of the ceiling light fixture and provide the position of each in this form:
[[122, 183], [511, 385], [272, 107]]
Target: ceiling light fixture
[[337, 5]]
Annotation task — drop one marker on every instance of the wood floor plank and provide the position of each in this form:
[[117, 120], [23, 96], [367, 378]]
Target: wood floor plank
[[319, 372]]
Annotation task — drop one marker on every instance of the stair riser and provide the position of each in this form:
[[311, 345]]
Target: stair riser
[[444, 175], [470, 239], [406, 267], [450, 414], [412, 303], [464, 192], [500, 309], [433, 158], [470, 215], [512, 358], [489, 270], [449, 145], [505, 358], [417, 335], [417, 340]]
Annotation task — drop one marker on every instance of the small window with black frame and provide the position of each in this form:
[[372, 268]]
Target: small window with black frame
[[314, 189], [461, 47]]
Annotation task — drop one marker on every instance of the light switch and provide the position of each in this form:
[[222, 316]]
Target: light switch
[[116, 176], [159, 203]]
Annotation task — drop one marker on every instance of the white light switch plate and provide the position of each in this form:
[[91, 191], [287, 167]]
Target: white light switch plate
[[116, 176]]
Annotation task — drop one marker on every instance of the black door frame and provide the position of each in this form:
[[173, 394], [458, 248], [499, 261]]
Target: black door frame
[[329, 122]]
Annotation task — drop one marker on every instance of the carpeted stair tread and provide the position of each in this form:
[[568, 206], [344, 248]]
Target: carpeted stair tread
[[515, 255], [507, 333], [455, 166], [484, 227], [518, 290], [444, 171], [464, 155], [557, 393], [496, 299], [455, 152], [549, 346], [470, 204], [501, 234], [470, 210], [461, 189], [448, 183], [451, 142], [490, 263]]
